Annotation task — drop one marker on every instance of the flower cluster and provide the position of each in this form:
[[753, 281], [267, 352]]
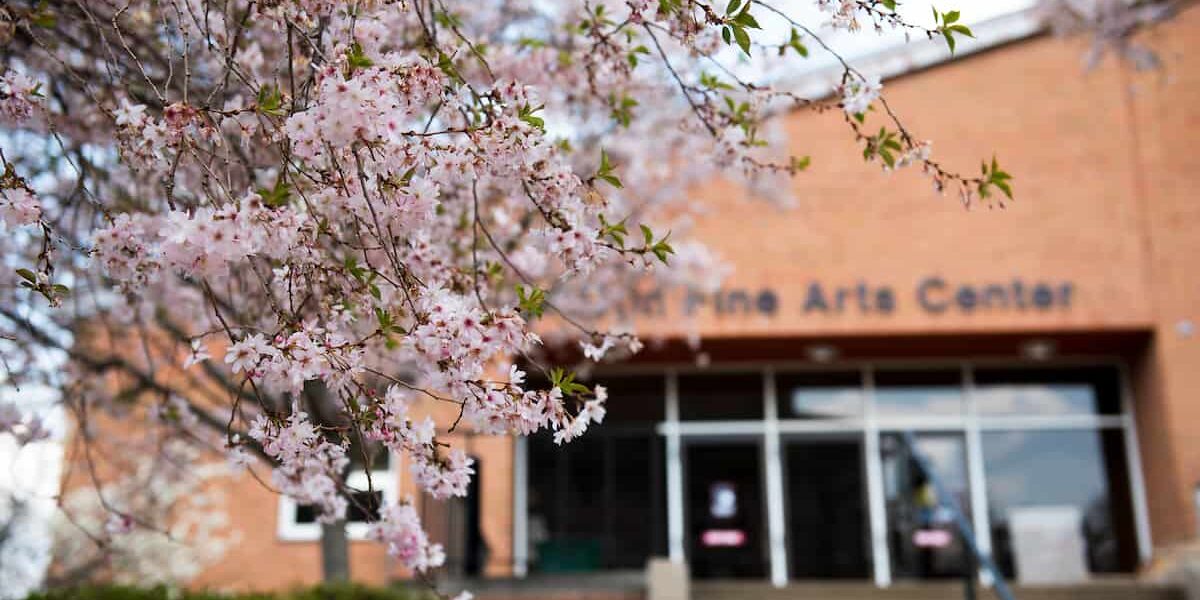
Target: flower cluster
[[859, 92], [376, 104], [19, 97], [18, 206], [439, 473], [309, 466], [399, 528]]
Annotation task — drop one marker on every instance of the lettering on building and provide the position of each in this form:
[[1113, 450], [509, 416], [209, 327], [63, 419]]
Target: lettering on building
[[933, 295]]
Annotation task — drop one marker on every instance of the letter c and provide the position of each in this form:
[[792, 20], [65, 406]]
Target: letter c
[[923, 294]]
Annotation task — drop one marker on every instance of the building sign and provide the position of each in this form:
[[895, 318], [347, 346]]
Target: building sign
[[933, 295]]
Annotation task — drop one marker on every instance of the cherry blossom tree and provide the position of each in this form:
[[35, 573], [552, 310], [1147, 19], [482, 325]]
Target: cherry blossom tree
[[269, 229]]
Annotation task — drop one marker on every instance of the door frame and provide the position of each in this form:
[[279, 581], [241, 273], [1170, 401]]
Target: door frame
[[694, 440], [857, 439]]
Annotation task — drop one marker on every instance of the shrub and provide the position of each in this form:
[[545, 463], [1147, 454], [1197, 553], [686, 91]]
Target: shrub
[[340, 591]]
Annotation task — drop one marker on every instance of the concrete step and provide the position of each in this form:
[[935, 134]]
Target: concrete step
[[1099, 590]]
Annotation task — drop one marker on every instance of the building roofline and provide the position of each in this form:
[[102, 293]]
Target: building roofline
[[919, 55]]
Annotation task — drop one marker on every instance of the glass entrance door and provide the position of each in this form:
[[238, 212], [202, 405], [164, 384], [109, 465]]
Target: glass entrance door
[[726, 534], [827, 508], [922, 538]]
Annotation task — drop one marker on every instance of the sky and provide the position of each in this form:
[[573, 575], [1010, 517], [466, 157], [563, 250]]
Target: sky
[[864, 43]]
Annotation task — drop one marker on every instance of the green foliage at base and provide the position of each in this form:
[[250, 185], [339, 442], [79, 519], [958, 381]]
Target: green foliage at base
[[346, 591]]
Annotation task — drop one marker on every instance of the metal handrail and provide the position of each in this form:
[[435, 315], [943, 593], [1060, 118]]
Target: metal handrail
[[964, 528]]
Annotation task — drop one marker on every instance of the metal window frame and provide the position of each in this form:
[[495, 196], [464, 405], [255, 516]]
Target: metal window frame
[[520, 521], [772, 428], [772, 463]]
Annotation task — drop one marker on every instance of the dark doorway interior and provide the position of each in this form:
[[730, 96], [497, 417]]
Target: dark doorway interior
[[725, 511], [827, 509]]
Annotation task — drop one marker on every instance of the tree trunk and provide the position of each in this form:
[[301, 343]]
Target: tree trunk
[[335, 552]]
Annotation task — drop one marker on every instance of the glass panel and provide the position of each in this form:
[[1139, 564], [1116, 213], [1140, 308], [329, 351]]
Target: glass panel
[[922, 537], [1078, 475], [827, 513], [1048, 392], [633, 398], [363, 507], [725, 511], [721, 396], [598, 502], [918, 393], [820, 395]]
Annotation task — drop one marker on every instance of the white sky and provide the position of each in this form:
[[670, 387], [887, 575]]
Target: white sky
[[867, 42]]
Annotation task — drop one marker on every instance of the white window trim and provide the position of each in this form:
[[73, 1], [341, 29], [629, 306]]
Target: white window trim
[[385, 481]]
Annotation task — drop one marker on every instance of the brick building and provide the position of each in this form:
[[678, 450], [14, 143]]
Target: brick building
[[1044, 355]]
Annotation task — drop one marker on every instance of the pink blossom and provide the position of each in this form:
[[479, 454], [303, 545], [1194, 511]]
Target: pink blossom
[[19, 207], [399, 528]]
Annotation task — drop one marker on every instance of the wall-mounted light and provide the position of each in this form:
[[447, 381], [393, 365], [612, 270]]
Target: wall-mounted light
[[1039, 349], [821, 353]]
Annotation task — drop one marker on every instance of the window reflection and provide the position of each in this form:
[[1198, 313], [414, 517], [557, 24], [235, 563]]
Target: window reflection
[[918, 393], [923, 540], [1047, 392], [1056, 469], [820, 395]]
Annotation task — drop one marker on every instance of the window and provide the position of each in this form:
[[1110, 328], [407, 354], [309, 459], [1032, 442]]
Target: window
[[298, 522], [721, 397], [918, 393], [820, 395], [599, 502], [1083, 472], [1047, 392], [1052, 459]]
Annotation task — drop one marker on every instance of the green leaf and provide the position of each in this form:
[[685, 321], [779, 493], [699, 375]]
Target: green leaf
[[525, 113], [615, 231], [531, 300], [733, 6], [270, 100], [622, 109], [746, 20], [647, 233], [795, 43], [44, 19], [276, 196], [669, 7], [632, 57], [446, 65], [356, 59], [963, 29], [710, 81], [662, 249], [605, 172], [743, 39]]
